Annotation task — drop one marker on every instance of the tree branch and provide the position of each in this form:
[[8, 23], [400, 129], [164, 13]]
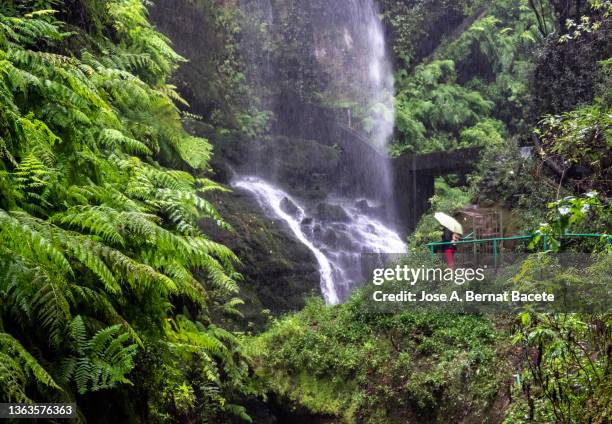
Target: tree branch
[[554, 166]]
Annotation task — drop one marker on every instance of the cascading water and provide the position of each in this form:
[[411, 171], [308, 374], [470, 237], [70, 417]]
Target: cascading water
[[271, 199], [343, 43], [339, 234], [374, 71]]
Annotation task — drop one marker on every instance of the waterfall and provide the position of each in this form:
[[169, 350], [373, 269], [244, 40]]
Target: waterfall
[[343, 242], [313, 63], [367, 67], [271, 199], [377, 84]]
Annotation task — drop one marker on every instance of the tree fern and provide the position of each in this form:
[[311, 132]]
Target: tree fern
[[25, 241], [97, 238]]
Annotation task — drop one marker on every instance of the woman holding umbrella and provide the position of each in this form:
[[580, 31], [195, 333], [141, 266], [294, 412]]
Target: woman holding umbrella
[[452, 231]]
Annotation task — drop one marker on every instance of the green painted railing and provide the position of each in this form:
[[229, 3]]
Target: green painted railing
[[496, 240]]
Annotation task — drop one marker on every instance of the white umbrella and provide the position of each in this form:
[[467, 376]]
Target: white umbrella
[[449, 222]]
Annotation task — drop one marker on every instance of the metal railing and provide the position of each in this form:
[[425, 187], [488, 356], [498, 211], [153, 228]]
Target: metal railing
[[497, 240]]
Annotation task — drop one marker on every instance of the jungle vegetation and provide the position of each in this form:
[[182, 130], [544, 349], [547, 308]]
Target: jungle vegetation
[[106, 282], [112, 296]]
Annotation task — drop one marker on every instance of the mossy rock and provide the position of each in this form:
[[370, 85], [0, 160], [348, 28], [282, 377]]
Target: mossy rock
[[279, 272]]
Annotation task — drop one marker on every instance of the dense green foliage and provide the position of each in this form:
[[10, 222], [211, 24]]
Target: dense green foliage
[[435, 113], [486, 68], [565, 366], [214, 82], [471, 85], [100, 194], [567, 378], [364, 367]]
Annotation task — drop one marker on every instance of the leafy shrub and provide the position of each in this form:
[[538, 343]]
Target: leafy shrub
[[432, 109], [361, 366], [565, 361], [581, 140]]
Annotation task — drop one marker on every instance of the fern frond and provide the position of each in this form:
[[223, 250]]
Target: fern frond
[[26, 241], [94, 231], [103, 360], [99, 220], [230, 307], [114, 138], [16, 366]]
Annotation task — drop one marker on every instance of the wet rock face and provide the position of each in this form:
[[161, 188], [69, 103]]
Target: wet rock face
[[289, 208], [330, 238], [307, 227], [365, 207], [362, 205], [279, 272], [305, 168], [329, 212]]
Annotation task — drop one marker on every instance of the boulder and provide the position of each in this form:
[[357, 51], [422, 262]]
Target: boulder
[[330, 238], [328, 212], [289, 207], [363, 206], [307, 221]]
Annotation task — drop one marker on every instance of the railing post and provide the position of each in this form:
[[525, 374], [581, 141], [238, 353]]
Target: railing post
[[495, 252]]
